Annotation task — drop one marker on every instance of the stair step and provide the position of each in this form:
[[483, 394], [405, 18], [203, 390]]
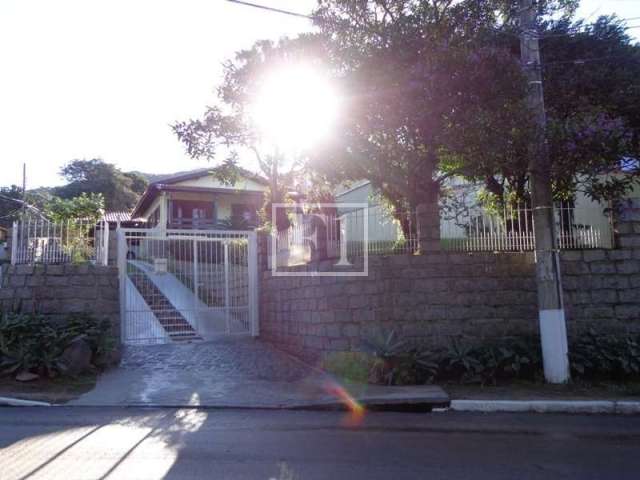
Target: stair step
[[171, 320]]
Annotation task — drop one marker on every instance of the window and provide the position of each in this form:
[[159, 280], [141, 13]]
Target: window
[[245, 212], [192, 212]]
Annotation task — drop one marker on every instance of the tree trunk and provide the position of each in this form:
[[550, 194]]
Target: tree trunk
[[428, 219]]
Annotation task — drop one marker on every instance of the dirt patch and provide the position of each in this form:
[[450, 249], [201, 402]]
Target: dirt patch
[[542, 391], [57, 390]]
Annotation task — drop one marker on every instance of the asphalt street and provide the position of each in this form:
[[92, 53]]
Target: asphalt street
[[90, 443]]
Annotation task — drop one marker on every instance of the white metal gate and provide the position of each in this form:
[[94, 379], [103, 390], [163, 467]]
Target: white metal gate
[[180, 285]]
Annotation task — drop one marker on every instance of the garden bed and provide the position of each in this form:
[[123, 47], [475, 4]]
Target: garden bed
[[544, 391], [57, 390]]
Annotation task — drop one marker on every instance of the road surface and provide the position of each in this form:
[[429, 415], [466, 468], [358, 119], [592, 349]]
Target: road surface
[[124, 443]]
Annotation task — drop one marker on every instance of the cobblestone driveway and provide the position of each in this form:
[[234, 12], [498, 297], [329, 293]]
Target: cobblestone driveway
[[232, 357], [229, 372]]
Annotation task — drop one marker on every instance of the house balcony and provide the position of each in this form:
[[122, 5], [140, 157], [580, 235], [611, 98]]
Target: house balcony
[[192, 223]]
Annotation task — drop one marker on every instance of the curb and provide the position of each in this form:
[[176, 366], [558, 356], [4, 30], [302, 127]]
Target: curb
[[16, 402], [547, 406]]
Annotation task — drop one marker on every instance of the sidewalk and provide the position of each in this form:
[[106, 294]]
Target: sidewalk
[[238, 372]]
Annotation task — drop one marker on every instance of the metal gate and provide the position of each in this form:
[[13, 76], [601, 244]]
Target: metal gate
[[182, 285]]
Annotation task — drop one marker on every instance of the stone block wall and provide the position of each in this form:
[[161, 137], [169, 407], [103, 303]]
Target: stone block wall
[[58, 290], [602, 287], [439, 296], [426, 297]]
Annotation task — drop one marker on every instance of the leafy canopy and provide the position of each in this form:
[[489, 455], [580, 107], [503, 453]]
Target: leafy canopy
[[120, 190]]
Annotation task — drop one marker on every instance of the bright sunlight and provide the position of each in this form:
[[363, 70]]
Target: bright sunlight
[[296, 108]]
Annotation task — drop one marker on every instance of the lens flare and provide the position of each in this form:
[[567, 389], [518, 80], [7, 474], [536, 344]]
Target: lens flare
[[355, 408], [295, 108]]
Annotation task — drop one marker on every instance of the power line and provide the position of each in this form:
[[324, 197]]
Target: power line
[[272, 9]]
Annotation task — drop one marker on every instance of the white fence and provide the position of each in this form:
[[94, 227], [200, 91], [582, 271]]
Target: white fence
[[469, 229], [72, 241], [511, 229], [345, 233]]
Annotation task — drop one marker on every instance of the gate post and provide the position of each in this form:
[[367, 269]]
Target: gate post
[[122, 276], [14, 243], [196, 282], [252, 267]]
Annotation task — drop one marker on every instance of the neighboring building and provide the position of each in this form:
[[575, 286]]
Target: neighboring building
[[199, 200], [584, 221], [381, 225], [4, 234], [124, 220]]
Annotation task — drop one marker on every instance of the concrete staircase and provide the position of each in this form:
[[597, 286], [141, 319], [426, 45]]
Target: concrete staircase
[[172, 321]]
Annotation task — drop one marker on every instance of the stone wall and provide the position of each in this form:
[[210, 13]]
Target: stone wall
[[58, 290], [602, 287], [439, 296]]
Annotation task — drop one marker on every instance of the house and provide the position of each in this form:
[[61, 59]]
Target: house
[[200, 200], [465, 224]]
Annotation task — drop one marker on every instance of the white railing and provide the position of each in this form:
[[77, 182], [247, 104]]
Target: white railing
[[71, 241], [469, 229], [345, 234], [511, 228]]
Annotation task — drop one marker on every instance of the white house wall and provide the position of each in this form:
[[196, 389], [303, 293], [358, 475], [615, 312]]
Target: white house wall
[[382, 227], [211, 182]]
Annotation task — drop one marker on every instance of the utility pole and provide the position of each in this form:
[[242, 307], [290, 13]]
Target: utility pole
[[24, 190], [553, 329]]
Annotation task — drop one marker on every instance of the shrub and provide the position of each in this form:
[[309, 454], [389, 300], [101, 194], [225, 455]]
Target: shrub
[[397, 362], [513, 359], [353, 367], [30, 342], [600, 355], [593, 356]]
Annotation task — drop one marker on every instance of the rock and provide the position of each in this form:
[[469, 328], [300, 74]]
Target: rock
[[109, 359], [27, 376], [77, 356]]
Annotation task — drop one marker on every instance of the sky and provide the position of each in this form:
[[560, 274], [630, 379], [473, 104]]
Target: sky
[[89, 78]]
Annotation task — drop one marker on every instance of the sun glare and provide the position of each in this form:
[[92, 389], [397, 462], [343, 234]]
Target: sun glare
[[296, 108]]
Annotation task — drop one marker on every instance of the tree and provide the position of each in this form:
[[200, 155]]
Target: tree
[[85, 207], [593, 128], [417, 72], [12, 205], [120, 190], [228, 128]]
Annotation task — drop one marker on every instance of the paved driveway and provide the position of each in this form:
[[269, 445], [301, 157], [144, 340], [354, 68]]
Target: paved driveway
[[231, 371]]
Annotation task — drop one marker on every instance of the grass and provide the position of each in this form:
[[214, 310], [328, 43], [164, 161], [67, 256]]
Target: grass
[[56, 390]]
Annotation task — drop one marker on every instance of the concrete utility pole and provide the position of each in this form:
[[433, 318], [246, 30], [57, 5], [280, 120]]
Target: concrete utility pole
[[24, 190], [553, 329]]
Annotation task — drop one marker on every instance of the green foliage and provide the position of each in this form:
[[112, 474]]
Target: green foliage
[[593, 356], [85, 206], [120, 190], [352, 367], [30, 342], [602, 355], [490, 362], [397, 362], [11, 203]]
